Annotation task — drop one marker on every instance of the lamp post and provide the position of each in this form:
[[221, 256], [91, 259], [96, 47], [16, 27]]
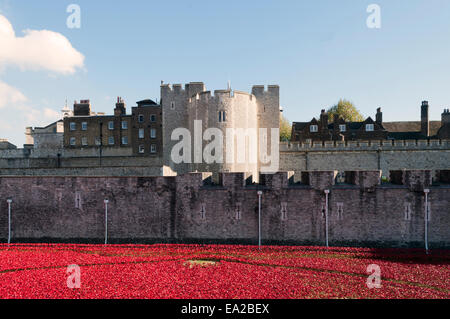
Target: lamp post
[[327, 192], [9, 201], [426, 191], [106, 221], [259, 219]]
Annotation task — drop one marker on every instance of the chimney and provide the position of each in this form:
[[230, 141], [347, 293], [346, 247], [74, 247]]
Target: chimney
[[425, 122], [324, 120], [82, 109], [379, 116], [120, 107], [445, 117]]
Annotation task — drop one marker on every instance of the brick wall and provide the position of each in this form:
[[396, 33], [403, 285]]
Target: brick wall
[[189, 208]]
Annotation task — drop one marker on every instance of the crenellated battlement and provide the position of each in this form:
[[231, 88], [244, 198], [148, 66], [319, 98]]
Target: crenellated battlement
[[189, 207], [365, 145]]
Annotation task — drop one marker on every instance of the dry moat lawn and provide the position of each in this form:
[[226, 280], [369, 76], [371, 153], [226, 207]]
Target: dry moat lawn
[[191, 271]]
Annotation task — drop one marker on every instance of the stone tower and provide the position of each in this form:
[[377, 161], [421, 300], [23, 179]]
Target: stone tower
[[238, 115]]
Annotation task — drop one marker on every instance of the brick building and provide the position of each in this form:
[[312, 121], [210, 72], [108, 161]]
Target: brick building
[[370, 130], [140, 130], [321, 130]]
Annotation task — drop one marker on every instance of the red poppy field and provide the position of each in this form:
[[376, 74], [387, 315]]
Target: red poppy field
[[223, 272]]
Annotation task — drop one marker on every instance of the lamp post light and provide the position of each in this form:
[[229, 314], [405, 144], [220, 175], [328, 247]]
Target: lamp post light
[[327, 192], [426, 191], [259, 219], [9, 201], [106, 221]]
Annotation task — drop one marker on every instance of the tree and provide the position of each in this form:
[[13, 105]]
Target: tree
[[285, 129], [346, 110]]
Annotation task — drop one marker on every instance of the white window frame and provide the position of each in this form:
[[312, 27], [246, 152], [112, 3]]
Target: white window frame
[[111, 138], [141, 133], [153, 148], [141, 118], [141, 149], [111, 125], [124, 140], [314, 128], [84, 141], [124, 125], [152, 133], [73, 126], [84, 126], [98, 141], [370, 127], [153, 118], [73, 141], [343, 128]]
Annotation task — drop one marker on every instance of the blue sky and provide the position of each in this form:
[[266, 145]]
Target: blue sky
[[317, 51]]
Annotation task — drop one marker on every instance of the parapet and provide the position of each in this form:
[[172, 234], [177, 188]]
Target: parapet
[[259, 90], [415, 180], [320, 180], [277, 180], [366, 180], [388, 145]]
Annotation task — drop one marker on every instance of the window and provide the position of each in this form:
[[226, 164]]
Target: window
[[111, 125], [78, 202], [153, 133], [84, 141], [203, 212], [141, 133], [407, 211], [284, 211], [314, 128], [72, 141], [141, 118], [222, 116], [238, 211], [124, 140], [152, 118], [111, 140], [124, 125], [369, 128], [141, 149], [172, 105], [340, 211], [342, 128], [153, 148], [73, 126], [84, 126], [98, 141]]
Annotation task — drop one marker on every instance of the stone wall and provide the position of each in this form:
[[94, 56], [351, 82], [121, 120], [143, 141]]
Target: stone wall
[[364, 155], [190, 208]]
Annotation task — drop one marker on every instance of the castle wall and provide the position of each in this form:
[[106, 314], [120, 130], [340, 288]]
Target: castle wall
[[189, 208], [382, 155]]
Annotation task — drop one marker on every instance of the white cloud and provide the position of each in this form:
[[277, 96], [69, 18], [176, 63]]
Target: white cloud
[[10, 95], [38, 50]]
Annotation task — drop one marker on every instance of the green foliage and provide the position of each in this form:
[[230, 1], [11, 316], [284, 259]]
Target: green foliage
[[346, 110], [285, 129]]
